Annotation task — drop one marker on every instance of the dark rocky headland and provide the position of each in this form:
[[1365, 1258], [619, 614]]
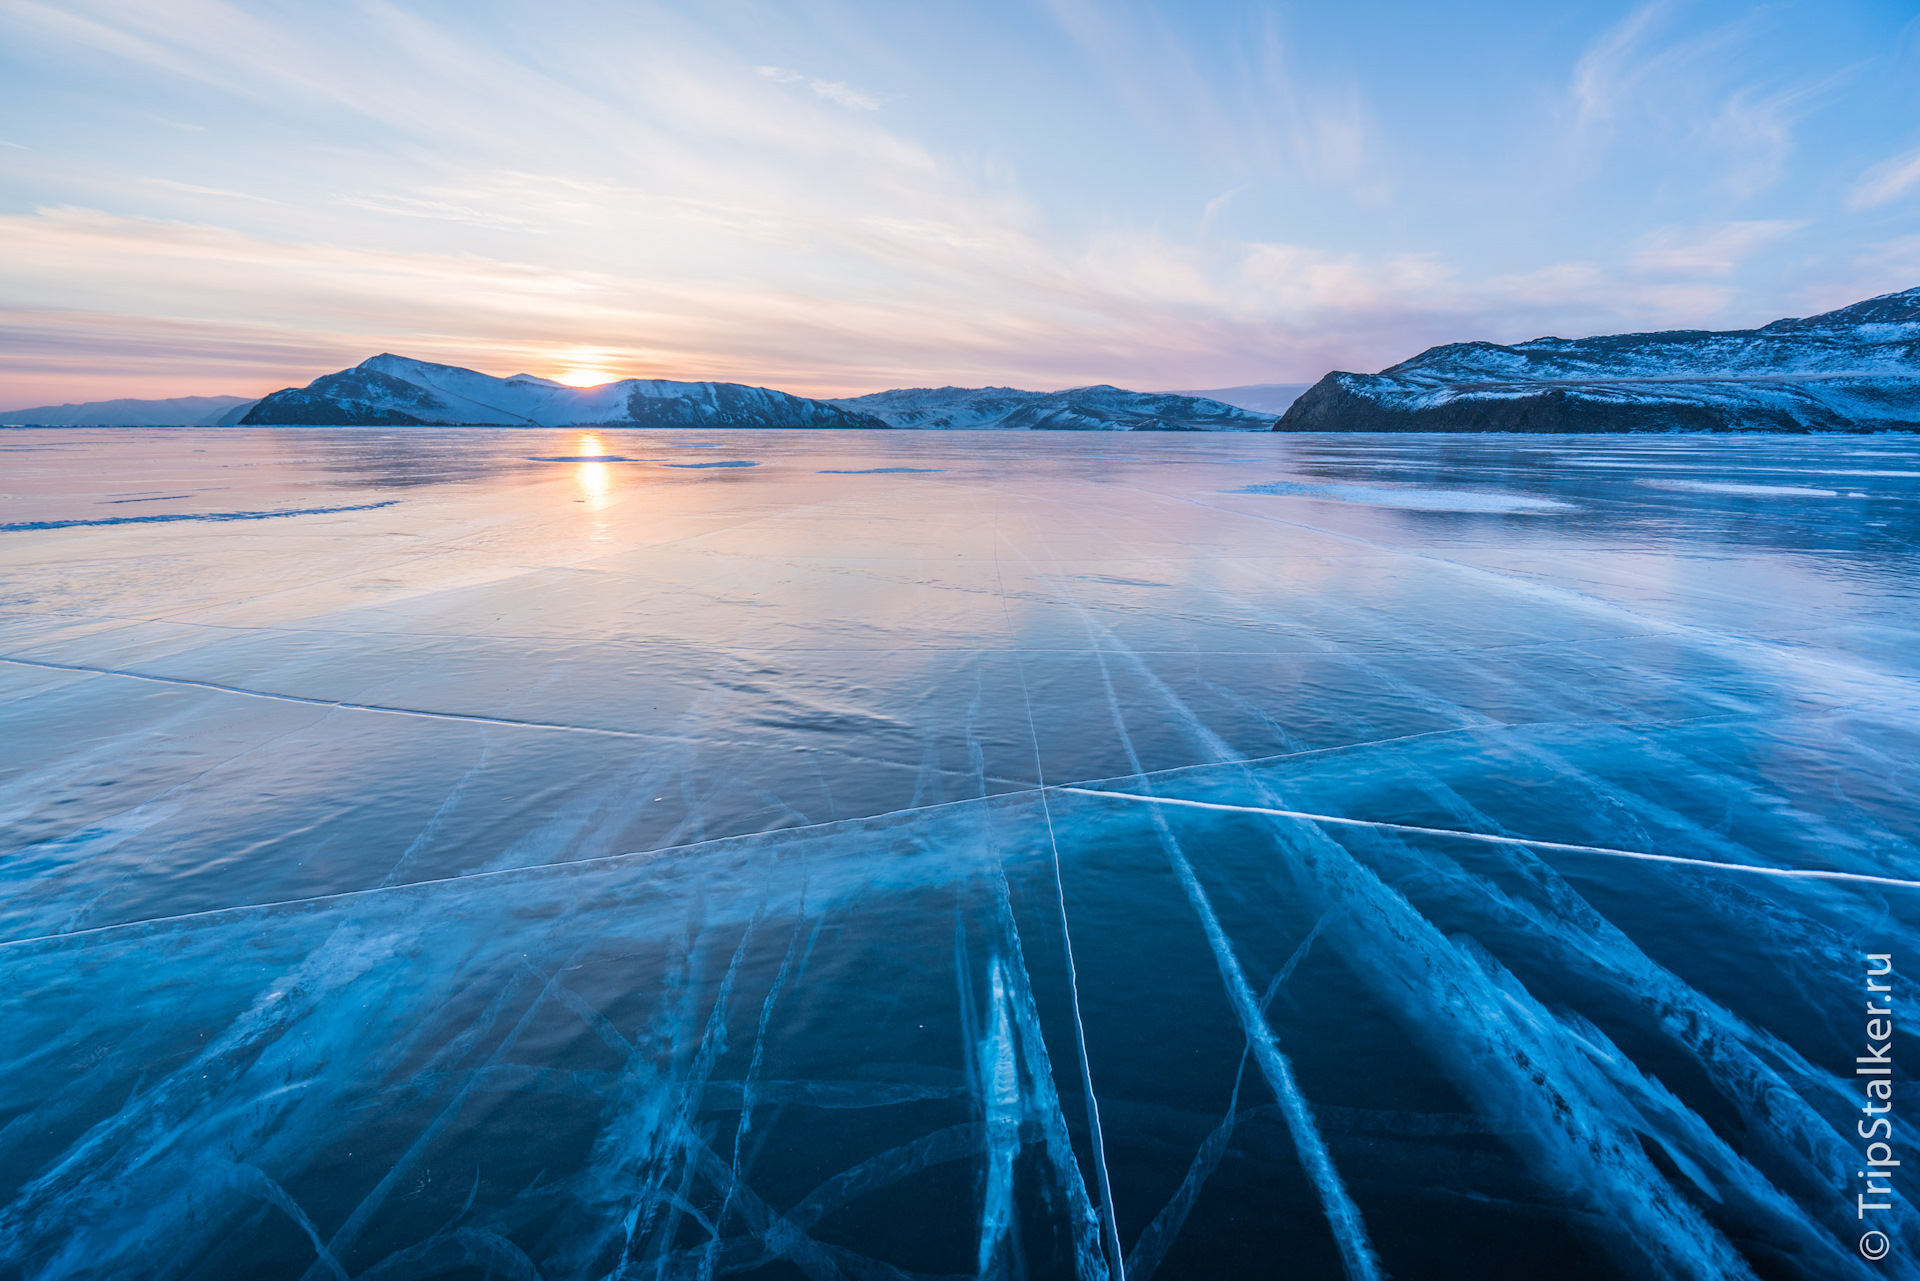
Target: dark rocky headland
[[1852, 370]]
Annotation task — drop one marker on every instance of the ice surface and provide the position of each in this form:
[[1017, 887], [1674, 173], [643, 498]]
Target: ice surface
[[585, 869]]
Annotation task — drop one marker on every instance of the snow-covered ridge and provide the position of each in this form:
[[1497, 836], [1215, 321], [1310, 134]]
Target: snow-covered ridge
[[1098, 408], [1854, 369], [393, 390]]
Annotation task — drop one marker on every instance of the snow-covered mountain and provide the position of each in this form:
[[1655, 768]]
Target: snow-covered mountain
[[1855, 369], [395, 391], [179, 411], [390, 390], [1100, 408]]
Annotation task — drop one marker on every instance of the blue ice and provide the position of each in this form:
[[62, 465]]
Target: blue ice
[[560, 873]]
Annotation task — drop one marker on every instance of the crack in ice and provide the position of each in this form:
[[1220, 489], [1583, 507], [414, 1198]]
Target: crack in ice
[[1802, 873]]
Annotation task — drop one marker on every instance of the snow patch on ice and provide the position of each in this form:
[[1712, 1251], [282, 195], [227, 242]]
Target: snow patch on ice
[[1751, 491], [1442, 500]]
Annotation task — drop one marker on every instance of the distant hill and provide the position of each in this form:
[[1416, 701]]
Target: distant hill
[[389, 390], [1099, 408], [1856, 369], [1262, 398], [180, 411], [395, 391]]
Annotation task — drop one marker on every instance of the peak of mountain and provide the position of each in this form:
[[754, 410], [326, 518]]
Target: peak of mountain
[[1853, 369], [175, 411], [390, 390], [1902, 308], [1096, 408]]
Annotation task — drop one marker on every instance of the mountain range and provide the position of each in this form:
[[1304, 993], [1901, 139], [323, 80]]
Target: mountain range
[[1100, 408], [394, 391], [179, 411], [1855, 369]]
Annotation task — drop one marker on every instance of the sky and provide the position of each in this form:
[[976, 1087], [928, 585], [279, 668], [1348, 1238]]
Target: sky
[[838, 196]]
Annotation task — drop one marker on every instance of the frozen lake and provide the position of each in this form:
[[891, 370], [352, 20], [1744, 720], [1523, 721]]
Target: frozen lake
[[548, 854]]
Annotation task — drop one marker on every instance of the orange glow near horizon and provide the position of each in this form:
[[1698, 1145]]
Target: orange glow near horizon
[[583, 377]]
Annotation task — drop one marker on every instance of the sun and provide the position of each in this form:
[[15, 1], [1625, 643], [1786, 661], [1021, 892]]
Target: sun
[[584, 366]]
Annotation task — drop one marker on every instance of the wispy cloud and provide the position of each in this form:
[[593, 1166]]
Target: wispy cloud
[[1262, 107], [1715, 249], [1647, 82], [1883, 266], [438, 210], [1885, 182], [1214, 207], [221, 192], [832, 90], [1607, 76]]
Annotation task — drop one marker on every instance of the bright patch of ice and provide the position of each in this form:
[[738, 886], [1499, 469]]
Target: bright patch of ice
[[1751, 491], [1438, 500], [581, 458], [1630, 464]]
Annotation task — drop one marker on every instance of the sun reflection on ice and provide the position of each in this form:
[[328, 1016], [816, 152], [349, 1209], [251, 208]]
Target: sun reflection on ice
[[596, 479]]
